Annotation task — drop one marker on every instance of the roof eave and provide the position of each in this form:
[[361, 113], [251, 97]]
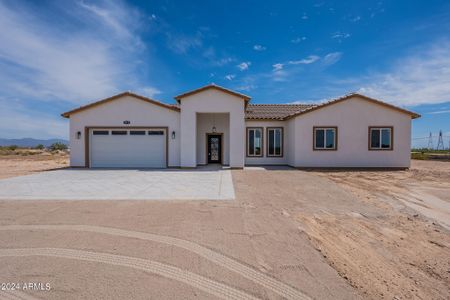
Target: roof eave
[[346, 97], [102, 101], [214, 86]]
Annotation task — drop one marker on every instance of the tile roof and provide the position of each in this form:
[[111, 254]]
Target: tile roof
[[255, 111], [274, 111]]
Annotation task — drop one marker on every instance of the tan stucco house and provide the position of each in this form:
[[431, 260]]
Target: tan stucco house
[[213, 124]]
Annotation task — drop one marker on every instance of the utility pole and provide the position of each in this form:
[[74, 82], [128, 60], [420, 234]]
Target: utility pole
[[440, 145], [430, 142]]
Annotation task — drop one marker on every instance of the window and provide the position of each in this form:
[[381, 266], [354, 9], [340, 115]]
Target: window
[[254, 141], [137, 132], [380, 138], [156, 132], [100, 132], [325, 138], [119, 132], [274, 141]]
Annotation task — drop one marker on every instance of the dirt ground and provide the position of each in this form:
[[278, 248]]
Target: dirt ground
[[289, 234], [16, 165], [393, 250]]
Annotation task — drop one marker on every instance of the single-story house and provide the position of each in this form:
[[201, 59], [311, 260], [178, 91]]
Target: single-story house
[[213, 124]]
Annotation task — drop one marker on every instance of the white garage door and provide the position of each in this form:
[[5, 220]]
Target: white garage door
[[128, 148]]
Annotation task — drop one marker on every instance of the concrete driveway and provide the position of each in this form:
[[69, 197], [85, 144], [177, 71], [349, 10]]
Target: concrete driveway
[[120, 184]]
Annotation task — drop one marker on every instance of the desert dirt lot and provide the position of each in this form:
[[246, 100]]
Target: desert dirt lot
[[289, 234], [16, 165]]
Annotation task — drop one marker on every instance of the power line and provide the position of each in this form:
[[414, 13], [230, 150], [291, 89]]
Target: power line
[[430, 141], [440, 145]]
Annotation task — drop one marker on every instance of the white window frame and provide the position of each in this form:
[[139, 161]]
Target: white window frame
[[325, 128], [274, 135], [380, 129], [261, 131]]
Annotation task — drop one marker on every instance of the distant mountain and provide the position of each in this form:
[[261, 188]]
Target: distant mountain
[[29, 142]]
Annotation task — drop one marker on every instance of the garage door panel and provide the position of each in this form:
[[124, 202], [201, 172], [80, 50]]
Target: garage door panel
[[129, 151]]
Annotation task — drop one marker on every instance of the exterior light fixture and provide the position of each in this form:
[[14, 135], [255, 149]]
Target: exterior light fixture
[[214, 130], [78, 135], [126, 122], [173, 135]]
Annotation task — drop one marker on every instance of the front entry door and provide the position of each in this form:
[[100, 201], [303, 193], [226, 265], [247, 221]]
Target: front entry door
[[214, 148]]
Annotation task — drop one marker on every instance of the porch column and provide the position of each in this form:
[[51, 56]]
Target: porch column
[[237, 139], [188, 138]]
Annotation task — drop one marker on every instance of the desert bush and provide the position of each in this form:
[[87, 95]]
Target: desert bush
[[419, 155], [12, 147], [40, 147], [58, 146]]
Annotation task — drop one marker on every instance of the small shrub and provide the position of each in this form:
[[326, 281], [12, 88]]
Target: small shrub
[[12, 147], [58, 146], [40, 147], [419, 155]]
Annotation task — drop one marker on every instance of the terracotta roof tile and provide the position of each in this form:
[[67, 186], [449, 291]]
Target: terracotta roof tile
[[274, 111]]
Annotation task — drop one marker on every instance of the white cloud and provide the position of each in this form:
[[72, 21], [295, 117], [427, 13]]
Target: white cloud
[[298, 40], [305, 61], [123, 21], [259, 48], [230, 77], [182, 43], [214, 59], [244, 65], [277, 67], [340, 35], [309, 60], [331, 58], [54, 57], [278, 74], [148, 91], [18, 121], [355, 19], [246, 88], [420, 78], [304, 17], [39, 60], [445, 111]]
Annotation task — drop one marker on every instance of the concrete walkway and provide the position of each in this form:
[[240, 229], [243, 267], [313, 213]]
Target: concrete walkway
[[120, 184]]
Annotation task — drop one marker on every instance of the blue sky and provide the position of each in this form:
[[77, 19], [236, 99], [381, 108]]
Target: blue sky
[[57, 55]]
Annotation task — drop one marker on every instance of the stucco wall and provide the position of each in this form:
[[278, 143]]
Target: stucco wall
[[353, 118], [212, 101], [188, 149], [205, 122], [113, 113], [290, 142], [265, 160]]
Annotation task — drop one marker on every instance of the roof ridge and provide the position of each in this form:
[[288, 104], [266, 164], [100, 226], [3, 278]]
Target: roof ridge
[[274, 104], [116, 96], [348, 96], [213, 85]]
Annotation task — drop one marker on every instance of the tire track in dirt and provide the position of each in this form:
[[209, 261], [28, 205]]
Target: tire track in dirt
[[15, 295], [262, 279], [205, 284]]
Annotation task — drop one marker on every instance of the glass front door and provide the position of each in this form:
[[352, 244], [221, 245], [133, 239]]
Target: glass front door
[[214, 148]]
